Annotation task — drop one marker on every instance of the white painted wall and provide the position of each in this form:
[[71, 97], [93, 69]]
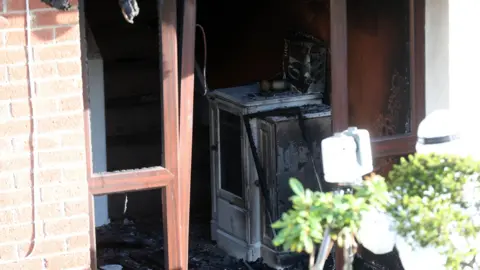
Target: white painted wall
[[437, 80], [97, 123], [453, 58]]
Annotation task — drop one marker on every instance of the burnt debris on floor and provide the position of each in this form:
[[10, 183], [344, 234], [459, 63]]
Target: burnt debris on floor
[[139, 246]]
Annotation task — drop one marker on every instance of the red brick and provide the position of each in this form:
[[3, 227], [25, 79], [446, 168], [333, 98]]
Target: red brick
[[19, 37], [17, 73], [6, 181], [21, 109], [53, 52], [64, 192], [66, 226], [39, 70], [16, 233], [42, 36], [16, 20], [26, 214], [50, 158], [7, 217], [74, 174], [15, 38], [17, 197], [42, 247], [3, 21], [8, 252], [67, 34], [42, 107], [22, 215], [48, 142], [23, 179], [6, 146], [73, 140], [58, 88], [14, 128], [14, 91], [50, 211], [60, 123], [3, 74], [44, 70], [69, 68], [50, 176], [16, 5], [12, 56], [71, 104], [54, 17], [4, 111], [69, 261], [15, 163], [78, 242], [74, 208], [23, 265], [21, 144]]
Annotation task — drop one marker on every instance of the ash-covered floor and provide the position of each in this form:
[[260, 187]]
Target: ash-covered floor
[[139, 246]]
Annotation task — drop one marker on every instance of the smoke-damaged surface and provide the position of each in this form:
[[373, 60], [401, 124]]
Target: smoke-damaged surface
[[139, 246]]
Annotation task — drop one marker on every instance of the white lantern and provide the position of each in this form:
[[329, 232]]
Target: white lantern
[[347, 156]]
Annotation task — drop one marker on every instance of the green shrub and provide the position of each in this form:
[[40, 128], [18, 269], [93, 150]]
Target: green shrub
[[428, 205], [424, 194], [303, 225]]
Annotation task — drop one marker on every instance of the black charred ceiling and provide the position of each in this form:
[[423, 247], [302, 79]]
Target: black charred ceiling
[[244, 37], [117, 37], [125, 29]]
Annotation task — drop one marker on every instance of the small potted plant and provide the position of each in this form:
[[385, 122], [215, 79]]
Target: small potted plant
[[316, 217], [433, 204], [428, 202]]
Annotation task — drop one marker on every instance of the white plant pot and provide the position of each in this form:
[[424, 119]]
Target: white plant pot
[[376, 235], [419, 258], [375, 232]]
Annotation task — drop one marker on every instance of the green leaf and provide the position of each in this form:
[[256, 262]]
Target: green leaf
[[308, 243], [296, 187], [427, 201]]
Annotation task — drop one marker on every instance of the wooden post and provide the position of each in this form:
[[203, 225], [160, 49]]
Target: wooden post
[[339, 100], [339, 56], [186, 117]]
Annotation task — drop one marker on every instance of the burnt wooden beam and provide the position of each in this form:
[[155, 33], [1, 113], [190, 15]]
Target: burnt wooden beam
[[339, 64], [339, 70]]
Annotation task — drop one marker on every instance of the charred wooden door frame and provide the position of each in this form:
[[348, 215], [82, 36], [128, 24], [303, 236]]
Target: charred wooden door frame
[[339, 64], [174, 178], [405, 144], [186, 116], [385, 146]]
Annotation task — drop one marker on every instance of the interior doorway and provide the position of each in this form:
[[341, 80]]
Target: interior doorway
[[127, 107], [133, 119]]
